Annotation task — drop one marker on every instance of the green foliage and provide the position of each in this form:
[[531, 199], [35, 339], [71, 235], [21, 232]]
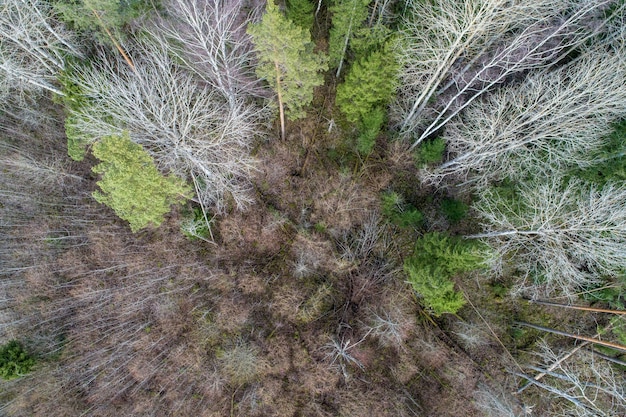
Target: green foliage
[[73, 100], [435, 287], [14, 360], [611, 164], [399, 212], [101, 15], [618, 328], [431, 152], [347, 17], [437, 257], [131, 184], [300, 12], [454, 210], [367, 40], [369, 129], [287, 61], [195, 226], [370, 84]]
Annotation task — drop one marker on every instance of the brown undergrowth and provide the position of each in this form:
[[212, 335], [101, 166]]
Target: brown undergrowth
[[299, 309]]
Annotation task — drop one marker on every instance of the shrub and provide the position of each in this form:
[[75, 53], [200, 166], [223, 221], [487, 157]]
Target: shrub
[[400, 213], [195, 226], [436, 259], [241, 364], [14, 360], [431, 152], [454, 210]]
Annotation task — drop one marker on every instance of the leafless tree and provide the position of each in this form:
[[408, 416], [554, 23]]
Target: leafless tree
[[550, 121], [209, 38], [569, 234], [32, 46], [453, 52], [589, 385], [189, 130]]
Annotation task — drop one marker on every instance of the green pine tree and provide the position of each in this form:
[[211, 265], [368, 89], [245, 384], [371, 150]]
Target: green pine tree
[[287, 62], [348, 16], [300, 12], [131, 184]]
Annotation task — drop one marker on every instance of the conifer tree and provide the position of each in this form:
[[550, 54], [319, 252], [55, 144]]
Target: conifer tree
[[348, 16], [300, 12], [436, 259], [287, 62], [365, 93], [131, 184]]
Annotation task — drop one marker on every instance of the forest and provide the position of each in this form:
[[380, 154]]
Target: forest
[[302, 208]]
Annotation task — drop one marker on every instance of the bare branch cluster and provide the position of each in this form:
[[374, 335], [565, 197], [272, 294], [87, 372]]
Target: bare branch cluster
[[564, 235], [32, 47], [209, 38], [454, 52], [189, 130], [588, 384], [549, 122]]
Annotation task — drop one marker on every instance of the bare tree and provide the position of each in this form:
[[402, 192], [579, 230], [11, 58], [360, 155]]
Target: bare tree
[[548, 122], [565, 235], [453, 52], [189, 130], [209, 37], [32, 47], [586, 385]]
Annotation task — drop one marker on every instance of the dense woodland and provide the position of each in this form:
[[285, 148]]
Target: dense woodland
[[312, 208]]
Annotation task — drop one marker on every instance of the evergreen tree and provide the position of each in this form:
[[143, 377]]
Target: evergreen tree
[[131, 184], [436, 259], [107, 17], [371, 83], [365, 93], [300, 12], [287, 62], [348, 16]]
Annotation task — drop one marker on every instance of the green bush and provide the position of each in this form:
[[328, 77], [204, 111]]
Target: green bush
[[435, 287], [369, 129], [398, 212], [436, 258], [454, 210], [73, 100], [195, 226], [101, 16], [132, 185], [431, 152], [14, 360]]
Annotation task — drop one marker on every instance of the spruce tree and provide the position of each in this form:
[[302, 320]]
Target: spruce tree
[[365, 93], [437, 257], [300, 12], [131, 184], [348, 16], [371, 83], [287, 62]]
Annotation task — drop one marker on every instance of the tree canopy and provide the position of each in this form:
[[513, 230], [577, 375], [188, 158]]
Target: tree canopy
[[131, 184], [287, 62]]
